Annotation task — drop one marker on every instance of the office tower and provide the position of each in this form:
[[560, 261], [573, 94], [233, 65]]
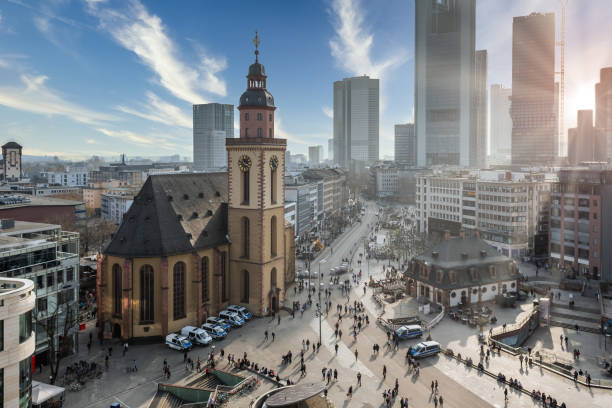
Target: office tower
[[603, 106], [212, 124], [315, 155], [478, 142], [356, 116], [585, 142], [330, 149], [534, 92], [445, 41], [501, 124], [405, 144]]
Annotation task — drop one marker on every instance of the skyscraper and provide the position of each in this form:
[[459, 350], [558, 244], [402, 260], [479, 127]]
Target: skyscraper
[[356, 119], [603, 106], [315, 155], [585, 142], [445, 41], [212, 124], [330, 149], [534, 107], [501, 124], [405, 144], [478, 142]]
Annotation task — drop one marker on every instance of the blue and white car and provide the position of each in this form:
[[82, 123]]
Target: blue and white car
[[216, 332], [176, 342], [425, 349], [410, 331], [217, 321], [233, 318], [242, 311]]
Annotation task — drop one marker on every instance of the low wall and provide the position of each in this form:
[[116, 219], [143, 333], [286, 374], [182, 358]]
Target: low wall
[[188, 394]]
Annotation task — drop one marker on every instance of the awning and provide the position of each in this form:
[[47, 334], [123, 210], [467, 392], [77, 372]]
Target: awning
[[42, 392]]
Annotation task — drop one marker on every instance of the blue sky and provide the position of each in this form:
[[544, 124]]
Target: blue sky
[[107, 77]]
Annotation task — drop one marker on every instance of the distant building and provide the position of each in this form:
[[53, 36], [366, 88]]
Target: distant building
[[70, 178], [48, 256], [11, 156], [534, 110], [40, 209], [585, 142], [603, 107], [356, 122], [581, 222], [330, 149], [212, 124], [333, 188], [393, 180], [501, 125], [462, 271], [478, 143], [305, 197], [115, 206], [508, 208], [17, 297], [405, 144], [445, 41], [315, 155]]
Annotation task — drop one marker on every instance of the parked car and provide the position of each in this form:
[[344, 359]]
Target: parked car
[[409, 332], [196, 335], [176, 342], [232, 317], [216, 332], [241, 310], [217, 321], [425, 349]]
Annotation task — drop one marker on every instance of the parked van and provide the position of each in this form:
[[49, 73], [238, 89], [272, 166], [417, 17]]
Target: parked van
[[409, 332], [425, 349], [176, 342], [232, 318], [217, 321], [216, 332], [196, 335], [241, 310]]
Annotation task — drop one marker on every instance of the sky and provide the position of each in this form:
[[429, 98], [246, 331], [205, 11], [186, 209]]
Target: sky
[[103, 77]]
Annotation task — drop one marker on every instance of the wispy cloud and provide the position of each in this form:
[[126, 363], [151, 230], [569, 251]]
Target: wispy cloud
[[145, 140], [134, 28], [329, 112], [352, 44], [159, 110], [34, 96]]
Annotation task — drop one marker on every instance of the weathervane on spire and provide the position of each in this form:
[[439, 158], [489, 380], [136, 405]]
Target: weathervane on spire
[[256, 42]]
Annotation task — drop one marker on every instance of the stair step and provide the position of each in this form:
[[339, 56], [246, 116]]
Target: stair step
[[571, 324], [576, 307], [577, 316]]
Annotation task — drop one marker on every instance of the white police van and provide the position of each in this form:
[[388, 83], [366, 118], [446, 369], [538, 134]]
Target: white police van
[[425, 349], [196, 335], [176, 342]]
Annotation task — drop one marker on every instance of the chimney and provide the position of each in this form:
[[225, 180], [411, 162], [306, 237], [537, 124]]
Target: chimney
[[462, 233]]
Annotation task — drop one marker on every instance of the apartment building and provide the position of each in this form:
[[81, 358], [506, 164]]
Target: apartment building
[[114, 206], [509, 209], [581, 222], [49, 257], [71, 177]]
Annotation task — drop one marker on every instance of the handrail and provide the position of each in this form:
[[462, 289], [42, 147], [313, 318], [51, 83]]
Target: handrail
[[436, 319]]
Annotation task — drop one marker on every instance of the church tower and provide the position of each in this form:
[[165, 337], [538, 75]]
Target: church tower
[[256, 202]]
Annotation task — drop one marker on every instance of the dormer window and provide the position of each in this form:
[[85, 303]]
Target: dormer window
[[439, 275], [492, 271], [453, 277], [473, 274]]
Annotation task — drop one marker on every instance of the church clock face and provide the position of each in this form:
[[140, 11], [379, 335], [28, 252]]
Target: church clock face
[[244, 163], [274, 162]]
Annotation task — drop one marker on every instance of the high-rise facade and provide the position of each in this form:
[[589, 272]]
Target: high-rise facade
[[405, 144], [356, 121], [445, 41], [501, 125], [315, 155], [330, 149], [534, 107], [603, 106], [478, 142], [212, 124], [585, 142]]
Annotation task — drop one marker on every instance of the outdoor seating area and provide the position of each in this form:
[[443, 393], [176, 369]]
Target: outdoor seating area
[[473, 317]]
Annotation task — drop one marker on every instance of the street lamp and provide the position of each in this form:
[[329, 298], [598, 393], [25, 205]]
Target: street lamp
[[320, 309]]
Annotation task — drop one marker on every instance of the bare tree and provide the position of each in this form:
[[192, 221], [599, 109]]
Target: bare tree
[[61, 323]]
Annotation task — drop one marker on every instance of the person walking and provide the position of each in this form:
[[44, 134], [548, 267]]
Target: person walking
[[432, 387], [521, 359], [135, 368], [441, 401], [566, 341], [505, 394], [336, 347], [279, 318], [356, 354], [266, 335], [436, 386], [273, 336], [323, 372], [335, 374], [359, 379], [384, 372], [349, 394]]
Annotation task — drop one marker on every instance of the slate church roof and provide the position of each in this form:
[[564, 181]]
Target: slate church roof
[[173, 214]]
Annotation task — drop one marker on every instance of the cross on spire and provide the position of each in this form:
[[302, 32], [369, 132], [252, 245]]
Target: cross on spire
[[256, 42]]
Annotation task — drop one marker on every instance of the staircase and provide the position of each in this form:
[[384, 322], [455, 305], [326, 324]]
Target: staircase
[[164, 399], [586, 318], [208, 382]]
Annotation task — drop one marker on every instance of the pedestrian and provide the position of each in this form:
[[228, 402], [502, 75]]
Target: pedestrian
[[90, 337], [278, 317], [505, 394], [273, 336], [335, 374], [561, 340], [336, 347], [436, 386], [125, 348], [566, 341], [521, 359], [323, 372], [432, 387], [441, 401], [89, 347], [135, 368], [110, 351], [385, 372], [356, 354], [349, 394], [359, 379], [266, 335], [185, 357], [435, 400]]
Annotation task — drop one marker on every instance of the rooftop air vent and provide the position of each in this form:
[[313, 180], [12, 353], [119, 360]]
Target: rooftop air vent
[[464, 255], [483, 253], [434, 254]]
